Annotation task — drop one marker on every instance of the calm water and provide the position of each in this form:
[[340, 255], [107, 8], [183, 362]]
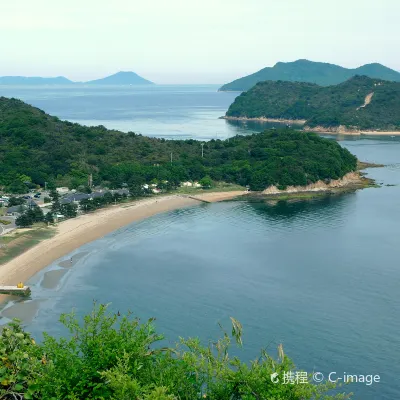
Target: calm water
[[322, 277]]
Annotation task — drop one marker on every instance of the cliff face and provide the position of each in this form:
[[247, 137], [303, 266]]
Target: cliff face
[[352, 178]]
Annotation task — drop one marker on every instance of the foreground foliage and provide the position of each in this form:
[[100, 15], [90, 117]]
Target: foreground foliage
[[113, 357], [36, 148]]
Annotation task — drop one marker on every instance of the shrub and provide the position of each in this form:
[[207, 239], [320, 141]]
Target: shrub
[[115, 357]]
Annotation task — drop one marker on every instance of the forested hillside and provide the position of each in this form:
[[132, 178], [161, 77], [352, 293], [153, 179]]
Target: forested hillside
[[359, 103], [323, 74], [40, 148]]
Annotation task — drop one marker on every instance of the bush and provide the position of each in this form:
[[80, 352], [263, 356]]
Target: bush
[[206, 182], [115, 357]]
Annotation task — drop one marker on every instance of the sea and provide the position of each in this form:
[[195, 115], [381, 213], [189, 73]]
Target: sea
[[320, 276]]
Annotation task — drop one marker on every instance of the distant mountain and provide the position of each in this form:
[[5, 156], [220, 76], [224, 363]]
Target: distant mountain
[[121, 78], [323, 74], [361, 103], [24, 80]]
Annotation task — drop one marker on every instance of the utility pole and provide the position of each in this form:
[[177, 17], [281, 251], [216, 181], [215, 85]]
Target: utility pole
[[171, 157], [202, 150]]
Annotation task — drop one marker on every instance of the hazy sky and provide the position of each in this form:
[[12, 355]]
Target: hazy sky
[[190, 41]]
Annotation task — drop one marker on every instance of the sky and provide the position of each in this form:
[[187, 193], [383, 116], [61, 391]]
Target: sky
[[192, 41]]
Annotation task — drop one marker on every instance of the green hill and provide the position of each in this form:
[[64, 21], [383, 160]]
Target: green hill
[[40, 148], [332, 106], [323, 74]]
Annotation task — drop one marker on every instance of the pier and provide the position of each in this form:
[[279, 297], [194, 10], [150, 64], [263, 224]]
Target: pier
[[24, 291], [195, 198]]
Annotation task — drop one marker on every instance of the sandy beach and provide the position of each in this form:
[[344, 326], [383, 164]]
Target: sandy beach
[[75, 232]]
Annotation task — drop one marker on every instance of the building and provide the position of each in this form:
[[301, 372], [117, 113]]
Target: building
[[15, 211], [77, 197], [187, 184], [62, 190]]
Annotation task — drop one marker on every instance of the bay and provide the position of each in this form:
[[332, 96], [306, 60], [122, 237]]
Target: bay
[[320, 276]]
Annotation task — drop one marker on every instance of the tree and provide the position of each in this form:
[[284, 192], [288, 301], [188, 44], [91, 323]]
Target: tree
[[206, 182], [16, 187], [16, 201], [23, 221], [35, 213], [55, 198], [69, 210], [136, 190], [49, 219]]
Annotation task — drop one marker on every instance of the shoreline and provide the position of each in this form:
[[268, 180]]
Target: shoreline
[[265, 119], [73, 233], [76, 232], [340, 130], [350, 182]]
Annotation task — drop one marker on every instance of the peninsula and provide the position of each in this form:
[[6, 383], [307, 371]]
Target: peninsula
[[323, 74], [39, 148], [358, 105]]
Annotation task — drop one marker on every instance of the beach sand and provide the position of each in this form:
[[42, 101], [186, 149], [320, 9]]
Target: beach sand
[[75, 232]]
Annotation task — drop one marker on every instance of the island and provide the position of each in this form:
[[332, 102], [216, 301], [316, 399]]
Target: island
[[120, 78], [322, 74], [359, 105], [34, 80]]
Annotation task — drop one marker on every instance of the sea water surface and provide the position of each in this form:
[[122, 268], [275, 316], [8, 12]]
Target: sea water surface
[[322, 276]]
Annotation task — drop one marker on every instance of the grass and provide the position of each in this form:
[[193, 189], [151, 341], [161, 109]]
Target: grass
[[19, 241]]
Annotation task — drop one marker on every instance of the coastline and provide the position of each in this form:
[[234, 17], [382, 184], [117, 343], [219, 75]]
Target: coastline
[[351, 181], [340, 130], [265, 119], [75, 232]]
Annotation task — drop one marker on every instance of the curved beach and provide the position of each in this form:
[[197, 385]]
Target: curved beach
[[75, 232]]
